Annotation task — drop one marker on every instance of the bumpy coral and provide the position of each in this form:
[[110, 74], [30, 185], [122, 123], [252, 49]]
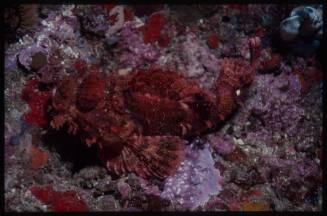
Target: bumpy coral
[[140, 121]]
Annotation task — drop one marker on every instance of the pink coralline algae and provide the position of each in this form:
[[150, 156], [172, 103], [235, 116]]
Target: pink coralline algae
[[63, 28], [276, 106], [221, 146], [68, 201], [195, 180], [32, 58], [293, 178], [240, 48], [164, 107], [196, 58], [124, 189], [136, 52]]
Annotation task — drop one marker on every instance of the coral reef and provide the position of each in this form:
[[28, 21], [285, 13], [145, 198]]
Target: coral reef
[[148, 108]]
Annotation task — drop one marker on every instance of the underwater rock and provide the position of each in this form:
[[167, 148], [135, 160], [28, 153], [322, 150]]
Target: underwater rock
[[146, 10], [141, 100], [124, 189], [111, 41], [276, 107], [311, 22], [32, 58], [304, 21], [196, 58], [117, 13], [269, 61], [136, 52], [303, 30], [109, 203], [18, 20], [305, 48], [293, 178], [290, 28], [94, 21], [221, 146]]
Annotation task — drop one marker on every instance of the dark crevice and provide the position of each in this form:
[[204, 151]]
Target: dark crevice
[[72, 149]]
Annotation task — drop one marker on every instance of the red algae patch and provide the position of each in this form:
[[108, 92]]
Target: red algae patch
[[68, 201], [39, 158], [212, 41], [37, 101]]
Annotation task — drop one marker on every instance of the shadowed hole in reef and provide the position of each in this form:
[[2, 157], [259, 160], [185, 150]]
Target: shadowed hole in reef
[[72, 149]]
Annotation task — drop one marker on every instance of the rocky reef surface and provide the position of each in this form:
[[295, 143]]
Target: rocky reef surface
[[163, 108]]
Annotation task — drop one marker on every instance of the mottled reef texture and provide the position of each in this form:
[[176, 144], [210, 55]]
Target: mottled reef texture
[[163, 108]]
